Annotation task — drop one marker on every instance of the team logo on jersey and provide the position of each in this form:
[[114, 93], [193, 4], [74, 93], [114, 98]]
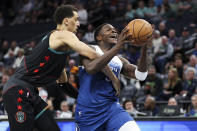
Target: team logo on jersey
[[20, 116]]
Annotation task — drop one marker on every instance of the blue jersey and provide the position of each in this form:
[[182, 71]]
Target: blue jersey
[[97, 90], [96, 93]]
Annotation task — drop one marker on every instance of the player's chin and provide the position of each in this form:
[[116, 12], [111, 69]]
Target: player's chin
[[75, 31], [112, 41]]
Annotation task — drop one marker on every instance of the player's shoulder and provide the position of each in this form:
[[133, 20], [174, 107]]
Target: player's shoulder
[[63, 34]]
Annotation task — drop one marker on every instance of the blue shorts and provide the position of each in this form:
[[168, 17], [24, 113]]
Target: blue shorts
[[110, 119]]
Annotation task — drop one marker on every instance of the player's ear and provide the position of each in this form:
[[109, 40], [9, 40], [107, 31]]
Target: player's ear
[[99, 37], [65, 21]]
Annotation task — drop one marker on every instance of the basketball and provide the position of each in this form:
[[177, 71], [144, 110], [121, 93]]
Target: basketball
[[141, 31]]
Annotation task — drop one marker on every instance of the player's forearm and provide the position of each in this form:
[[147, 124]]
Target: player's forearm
[[100, 62], [68, 89], [87, 51], [108, 72], [63, 78], [142, 66]]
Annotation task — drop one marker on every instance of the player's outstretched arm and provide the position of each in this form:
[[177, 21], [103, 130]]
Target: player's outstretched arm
[[138, 72], [70, 39]]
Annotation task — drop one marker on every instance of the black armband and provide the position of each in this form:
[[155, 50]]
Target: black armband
[[69, 89]]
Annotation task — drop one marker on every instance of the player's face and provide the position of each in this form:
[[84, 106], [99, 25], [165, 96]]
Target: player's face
[[73, 23], [109, 34]]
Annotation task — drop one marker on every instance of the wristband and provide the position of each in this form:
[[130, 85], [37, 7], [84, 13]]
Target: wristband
[[140, 75]]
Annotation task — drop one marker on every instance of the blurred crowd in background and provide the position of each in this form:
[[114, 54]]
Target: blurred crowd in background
[[171, 86]]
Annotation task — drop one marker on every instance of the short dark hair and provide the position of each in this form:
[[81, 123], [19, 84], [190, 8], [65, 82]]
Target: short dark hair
[[124, 103], [63, 11], [97, 30]]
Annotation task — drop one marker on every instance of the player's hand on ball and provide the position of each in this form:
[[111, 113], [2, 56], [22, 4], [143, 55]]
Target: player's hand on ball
[[124, 36]]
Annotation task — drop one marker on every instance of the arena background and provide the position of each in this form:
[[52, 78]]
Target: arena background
[[24, 22]]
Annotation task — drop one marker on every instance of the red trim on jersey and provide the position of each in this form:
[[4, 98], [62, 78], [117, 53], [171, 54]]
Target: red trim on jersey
[[20, 91], [25, 65], [19, 100], [41, 64], [36, 71], [19, 107], [47, 58]]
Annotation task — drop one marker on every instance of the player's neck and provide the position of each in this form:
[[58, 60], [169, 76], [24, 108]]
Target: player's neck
[[105, 47], [61, 27]]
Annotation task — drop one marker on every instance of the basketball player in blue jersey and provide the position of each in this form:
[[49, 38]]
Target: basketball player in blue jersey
[[97, 105], [42, 66]]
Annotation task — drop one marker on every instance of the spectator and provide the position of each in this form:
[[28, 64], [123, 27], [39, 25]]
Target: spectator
[[158, 17], [141, 9], [14, 48], [185, 6], [192, 63], [153, 84], [168, 13], [151, 10], [9, 58], [130, 13], [172, 102], [174, 86], [89, 35], [163, 55], [18, 59], [128, 89], [27, 6], [71, 64], [120, 12], [10, 71], [64, 113], [4, 48], [178, 64], [1, 69], [157, 39], [185, 41], [73, 80], [129, 107], [172, 109], [5, 78], [83, 15], [150, 52], [175, 6], [162, 29], [150, 106], [172, 38], [19, 19], [193, 111], [190, 84]]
